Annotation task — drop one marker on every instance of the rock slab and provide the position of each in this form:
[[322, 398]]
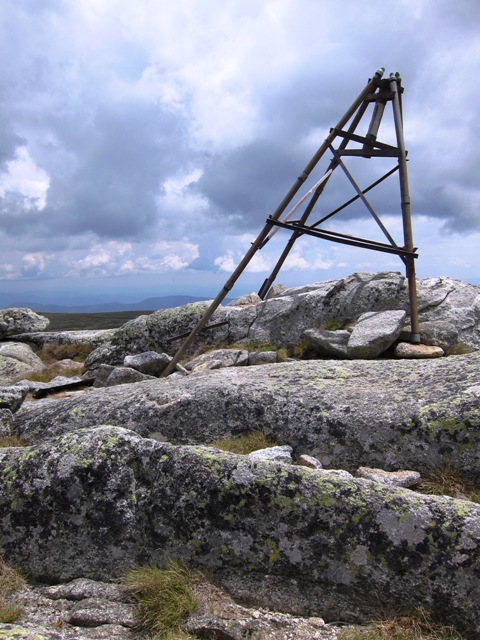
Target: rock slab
[[99, 501]]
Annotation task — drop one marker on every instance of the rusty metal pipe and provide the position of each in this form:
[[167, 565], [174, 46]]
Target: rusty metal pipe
[[395, 87]]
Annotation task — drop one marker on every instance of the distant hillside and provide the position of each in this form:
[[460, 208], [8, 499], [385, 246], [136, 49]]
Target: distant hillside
[[149, 304]]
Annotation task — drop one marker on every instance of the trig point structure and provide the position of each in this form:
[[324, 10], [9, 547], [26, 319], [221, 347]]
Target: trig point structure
[[342, 141]]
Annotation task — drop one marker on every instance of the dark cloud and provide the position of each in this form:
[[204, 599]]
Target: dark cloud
[[77, 93]]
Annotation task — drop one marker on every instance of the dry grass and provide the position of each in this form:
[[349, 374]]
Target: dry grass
[[258, 347], [164, 598], [52, 372], [10, 582], [12, 441], [416, 627], [243, 444], [448, 482], [51, 353], [460, 349]]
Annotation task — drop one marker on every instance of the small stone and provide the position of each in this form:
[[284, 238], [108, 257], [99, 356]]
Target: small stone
[[262, 357], [273, 454], [309, 461], [408, 350], [396, 478], [248, 299]]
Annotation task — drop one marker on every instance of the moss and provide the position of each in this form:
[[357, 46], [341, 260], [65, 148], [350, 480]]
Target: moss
[[450, 425], [273, 551]]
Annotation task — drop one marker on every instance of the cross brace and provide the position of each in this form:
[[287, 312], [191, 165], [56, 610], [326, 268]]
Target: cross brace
[[378, 91]]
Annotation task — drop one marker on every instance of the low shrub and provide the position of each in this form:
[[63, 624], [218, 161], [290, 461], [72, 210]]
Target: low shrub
[[164, 598], [243, 444]]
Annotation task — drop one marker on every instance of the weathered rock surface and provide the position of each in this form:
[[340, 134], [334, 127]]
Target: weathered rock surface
[[17, 360], [439, 334], [95, 502], [390, 414], [219, 358], [18, 320], [284, 316], [261, 357], [397, 478], [329, 343], [12, 397], [82, 609], [85, 609], [273, 454], [374, 333], [149, 362]]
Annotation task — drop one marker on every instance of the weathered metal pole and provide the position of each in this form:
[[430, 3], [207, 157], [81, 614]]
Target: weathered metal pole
[[318, 192], [395, 85], [371, 85]]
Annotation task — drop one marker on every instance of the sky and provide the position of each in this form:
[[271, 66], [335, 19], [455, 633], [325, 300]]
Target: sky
[[143, 144]]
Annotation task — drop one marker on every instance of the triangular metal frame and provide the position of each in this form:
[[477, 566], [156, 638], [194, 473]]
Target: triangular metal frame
[[380, 92]]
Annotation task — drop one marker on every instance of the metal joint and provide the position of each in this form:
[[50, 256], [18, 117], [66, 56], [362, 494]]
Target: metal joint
[[303, 176]]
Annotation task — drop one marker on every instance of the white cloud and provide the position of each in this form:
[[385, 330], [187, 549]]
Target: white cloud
[[155, 137], [25, 178], [226, 262], [33, 264], [8, 272]]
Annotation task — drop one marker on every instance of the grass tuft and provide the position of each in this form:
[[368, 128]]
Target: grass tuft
[[51, 353], [332, 324], [243, 444], [164, 598], [460, 349], [416, 627], [12, 441], [10, 581], [446, 481], [9, 612], [52, 372]]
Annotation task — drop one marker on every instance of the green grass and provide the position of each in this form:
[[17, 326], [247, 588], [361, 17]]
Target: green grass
[[164, 598], [446, 481], [243, 444], [416, 627]]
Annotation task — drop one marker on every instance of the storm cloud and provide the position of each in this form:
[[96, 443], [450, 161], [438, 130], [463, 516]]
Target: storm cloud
[[156, 137]]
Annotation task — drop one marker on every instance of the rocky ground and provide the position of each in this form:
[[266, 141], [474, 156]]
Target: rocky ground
[[117, 474], [90, 610]]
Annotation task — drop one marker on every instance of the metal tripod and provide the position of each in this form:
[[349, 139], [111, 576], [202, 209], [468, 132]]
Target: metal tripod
[[380, 92]]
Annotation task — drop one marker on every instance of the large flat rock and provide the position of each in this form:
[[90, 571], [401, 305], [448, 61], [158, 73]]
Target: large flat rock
[[390, 414], [96, 502]]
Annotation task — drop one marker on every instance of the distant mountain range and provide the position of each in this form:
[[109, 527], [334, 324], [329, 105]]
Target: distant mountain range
[[149, 304]]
